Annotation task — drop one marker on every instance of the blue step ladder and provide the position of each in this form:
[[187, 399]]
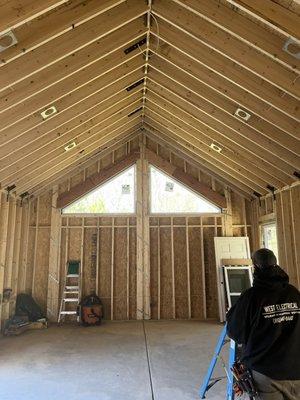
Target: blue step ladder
[[208, 381]]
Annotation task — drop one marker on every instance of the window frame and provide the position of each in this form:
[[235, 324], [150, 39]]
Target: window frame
[[86, 214]]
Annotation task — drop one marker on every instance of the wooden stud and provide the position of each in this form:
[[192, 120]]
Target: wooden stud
[[188, 272], [112, 277], [35, 245], [173, 271]]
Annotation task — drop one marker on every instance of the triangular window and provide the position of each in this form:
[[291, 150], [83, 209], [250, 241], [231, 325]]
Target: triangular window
[[170, 196], [116, 196]]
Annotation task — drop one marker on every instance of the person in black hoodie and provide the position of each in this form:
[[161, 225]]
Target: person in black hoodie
[[265, 320]]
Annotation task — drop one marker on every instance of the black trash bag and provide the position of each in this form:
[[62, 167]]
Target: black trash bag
[[25, 305]]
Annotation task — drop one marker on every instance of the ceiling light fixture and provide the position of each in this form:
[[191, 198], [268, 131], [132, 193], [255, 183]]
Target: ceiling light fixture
[[215, 147], [292, 47], [70, 146], [242, 114], [7, 40], [48, 112]]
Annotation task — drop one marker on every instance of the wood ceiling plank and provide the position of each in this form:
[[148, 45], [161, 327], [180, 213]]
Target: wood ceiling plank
[[228, 45], [97, 179], [33, 151], [52, 24], [55, 150], [152, 125], [287, 161], [250, 161], [78, 166], [228, 69], [70, 42], [58, 72], [114, 134], [188, 180], [226, 158], [237, 24], [179, 150], [232, 168], [13, 13], [71, 87], [132, 72], [274, 13], [242, 98]]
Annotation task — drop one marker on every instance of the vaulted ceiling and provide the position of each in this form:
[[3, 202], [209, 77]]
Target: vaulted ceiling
[[216, 78]]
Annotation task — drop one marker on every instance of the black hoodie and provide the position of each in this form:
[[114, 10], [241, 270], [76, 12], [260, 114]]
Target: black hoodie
[[266, 321]]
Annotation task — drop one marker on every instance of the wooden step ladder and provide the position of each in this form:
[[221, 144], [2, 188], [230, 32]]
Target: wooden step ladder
[[72, 290]]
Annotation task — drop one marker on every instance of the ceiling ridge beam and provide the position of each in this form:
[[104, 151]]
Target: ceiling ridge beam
[[147, 54]]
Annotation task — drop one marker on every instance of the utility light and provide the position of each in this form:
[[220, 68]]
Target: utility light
[[70, 146], [48, 112], [242, 114], [215, 147]]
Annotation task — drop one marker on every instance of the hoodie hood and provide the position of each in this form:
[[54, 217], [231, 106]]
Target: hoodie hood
[[272, 278]]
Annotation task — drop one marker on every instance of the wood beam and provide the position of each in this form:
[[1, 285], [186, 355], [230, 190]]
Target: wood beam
[[25, 156], [243, 28], [235, 95], [229, 149], [227, 69], [188, 180], [78, 166], [193, 144], [97, 179], [56, 73], [72, 106], [272, 12], [112, 133], [287, 161], [177, 144], [73, 87], [228, 45], [231, 165], [57, 153], [29, 10], [71, 41]]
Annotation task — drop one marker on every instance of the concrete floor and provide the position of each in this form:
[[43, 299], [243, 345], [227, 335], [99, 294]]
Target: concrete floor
[[110, 362]]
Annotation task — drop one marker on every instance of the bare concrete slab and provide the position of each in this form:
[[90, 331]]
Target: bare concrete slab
[[109, 362]]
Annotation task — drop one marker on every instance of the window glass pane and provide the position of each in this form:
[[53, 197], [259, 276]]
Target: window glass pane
[[169, 196], [238, 280], [114, 197], [234, 299], [269, 233]]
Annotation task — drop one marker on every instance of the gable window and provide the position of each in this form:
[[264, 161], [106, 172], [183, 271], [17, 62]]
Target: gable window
[[169, 196], [116, 196], [269, 237]]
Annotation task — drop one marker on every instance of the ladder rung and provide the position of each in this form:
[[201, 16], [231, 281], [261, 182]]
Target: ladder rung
[[72, 287], [71, 300], [68, 312], [72, 276], [71, 292]]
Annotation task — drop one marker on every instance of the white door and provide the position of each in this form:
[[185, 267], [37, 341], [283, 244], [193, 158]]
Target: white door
[[228, 247]]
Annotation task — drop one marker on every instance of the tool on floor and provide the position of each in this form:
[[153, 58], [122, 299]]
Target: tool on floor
[[72, 291]]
